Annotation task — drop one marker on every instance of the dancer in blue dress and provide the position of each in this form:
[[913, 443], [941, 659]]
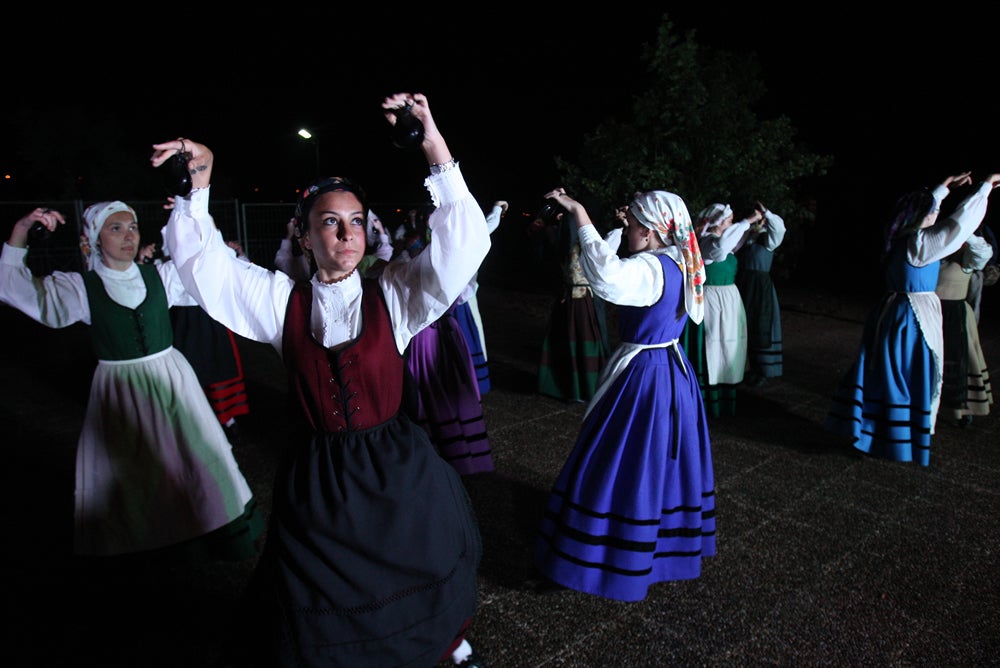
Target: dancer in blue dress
[[449, 406], [468, 315], [887, 403], [635, 502]]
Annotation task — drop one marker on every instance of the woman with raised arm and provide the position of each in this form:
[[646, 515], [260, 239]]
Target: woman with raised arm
[[154, 470], [887, 402], [965, 389], [718, 346], [372, 549], [635, 502], [755, 254]]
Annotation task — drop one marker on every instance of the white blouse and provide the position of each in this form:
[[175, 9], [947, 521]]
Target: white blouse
[[60, 299], [717, 247], [251, 300], [633, 281], [946, 236]]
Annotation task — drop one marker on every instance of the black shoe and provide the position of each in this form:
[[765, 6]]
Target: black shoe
[[233, 434], [471, 661], [964, 421]]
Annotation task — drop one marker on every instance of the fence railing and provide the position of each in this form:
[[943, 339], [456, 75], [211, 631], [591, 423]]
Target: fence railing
[[258, 227]]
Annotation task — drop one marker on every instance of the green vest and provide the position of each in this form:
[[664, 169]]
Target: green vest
[[722, 273], [121, 333]]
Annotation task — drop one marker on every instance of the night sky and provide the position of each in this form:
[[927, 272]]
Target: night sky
[[899, 101]]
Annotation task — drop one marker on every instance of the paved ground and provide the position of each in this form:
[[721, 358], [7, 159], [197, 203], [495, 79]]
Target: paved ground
[[824, 557]]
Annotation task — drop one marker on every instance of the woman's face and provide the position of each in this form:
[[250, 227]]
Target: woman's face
[[638, 235], [336, 234], [119, 240]]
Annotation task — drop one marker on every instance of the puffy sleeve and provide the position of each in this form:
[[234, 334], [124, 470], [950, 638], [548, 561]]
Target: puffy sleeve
[[245, 297], [418, 292], [716, 247], [775, 230], [947, 236], [614, 238], [976, 254], [177, 295], [57, 300], [632, 281]]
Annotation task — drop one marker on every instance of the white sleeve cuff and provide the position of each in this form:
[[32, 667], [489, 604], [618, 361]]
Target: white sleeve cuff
[[447, 187]]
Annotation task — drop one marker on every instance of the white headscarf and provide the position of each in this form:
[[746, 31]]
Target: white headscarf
[[93, 221], [377, 240], [666, 214], [712, 216]]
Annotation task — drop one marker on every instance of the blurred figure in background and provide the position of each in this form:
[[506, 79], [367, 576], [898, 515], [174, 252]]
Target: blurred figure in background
[[448, 404], [965, 384], [446, 400], [291, 258], [887, 402], [212, 350], [988, 275], [755, 254], [575, 347], [411, 236], [468, 315], [378, 245], [717, 347]]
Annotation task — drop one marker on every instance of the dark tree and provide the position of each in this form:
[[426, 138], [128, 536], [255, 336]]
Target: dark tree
[[697, 129]]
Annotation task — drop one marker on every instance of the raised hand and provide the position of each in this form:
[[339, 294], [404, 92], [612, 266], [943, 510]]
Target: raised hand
[[46, 217], [199, 161]]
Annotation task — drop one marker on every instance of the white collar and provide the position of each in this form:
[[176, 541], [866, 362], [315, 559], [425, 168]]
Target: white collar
[[104, 271]]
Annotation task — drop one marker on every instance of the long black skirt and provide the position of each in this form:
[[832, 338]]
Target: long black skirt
[[371, 555]]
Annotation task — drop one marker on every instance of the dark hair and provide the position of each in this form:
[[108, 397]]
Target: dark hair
[[907, 215], [324, 185]]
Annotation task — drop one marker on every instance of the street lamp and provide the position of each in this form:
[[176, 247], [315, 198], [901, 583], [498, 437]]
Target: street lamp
[[305, 134]]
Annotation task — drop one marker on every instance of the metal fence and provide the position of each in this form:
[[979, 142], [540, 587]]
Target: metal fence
[[258, 227]]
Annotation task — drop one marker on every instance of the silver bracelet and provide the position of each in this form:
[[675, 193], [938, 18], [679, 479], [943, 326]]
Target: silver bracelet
[[444, 166]]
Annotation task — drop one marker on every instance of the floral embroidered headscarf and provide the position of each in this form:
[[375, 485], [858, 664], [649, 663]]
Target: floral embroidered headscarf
[[666, 214]]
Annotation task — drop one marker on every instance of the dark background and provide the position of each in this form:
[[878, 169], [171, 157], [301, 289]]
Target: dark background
[[818, 562], [898, 99], [895, 98]]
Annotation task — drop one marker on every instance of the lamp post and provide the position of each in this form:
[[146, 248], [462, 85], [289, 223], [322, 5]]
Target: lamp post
[[305, 134]]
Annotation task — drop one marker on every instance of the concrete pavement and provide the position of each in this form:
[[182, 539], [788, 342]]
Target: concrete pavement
[[824, 557]]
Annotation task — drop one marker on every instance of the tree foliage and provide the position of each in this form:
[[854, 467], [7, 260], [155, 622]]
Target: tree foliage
[[695, 130]]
